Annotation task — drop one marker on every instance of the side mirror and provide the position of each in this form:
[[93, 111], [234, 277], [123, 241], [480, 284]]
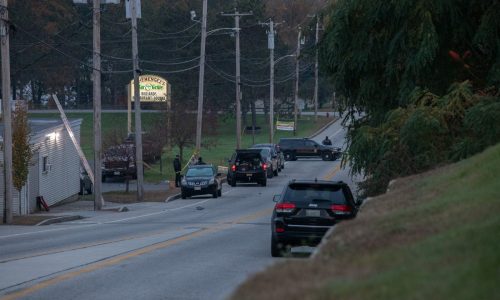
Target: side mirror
[[276, 198]]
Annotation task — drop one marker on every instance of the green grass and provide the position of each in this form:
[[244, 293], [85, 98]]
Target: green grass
[[223, 142], [434, 236]]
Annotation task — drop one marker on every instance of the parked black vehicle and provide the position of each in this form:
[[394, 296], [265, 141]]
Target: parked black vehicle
[[306, 210], [294, 148], [271, 159], [247, 165], [201, 180], [277, 150]]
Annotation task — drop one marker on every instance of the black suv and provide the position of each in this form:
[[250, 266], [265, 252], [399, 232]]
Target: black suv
[[296, 147], [247, 165], [306, 210], [201, 180]]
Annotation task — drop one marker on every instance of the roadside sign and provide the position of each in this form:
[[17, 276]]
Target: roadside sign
[[285, 126]]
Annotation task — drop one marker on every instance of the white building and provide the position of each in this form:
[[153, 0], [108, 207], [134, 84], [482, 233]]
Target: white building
[[54, 172]]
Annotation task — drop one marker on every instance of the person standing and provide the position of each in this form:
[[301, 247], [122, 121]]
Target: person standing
[[327, 141], [177, 169], [200, 161]]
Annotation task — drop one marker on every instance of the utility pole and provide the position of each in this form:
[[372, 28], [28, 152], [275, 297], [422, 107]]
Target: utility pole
[[137, 105], [199, 117], [270, 45], [6, 109], [97, 103], [237, 16], [296, 100], [316, 73]]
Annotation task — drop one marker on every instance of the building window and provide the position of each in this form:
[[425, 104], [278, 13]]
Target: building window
[[45, 164]]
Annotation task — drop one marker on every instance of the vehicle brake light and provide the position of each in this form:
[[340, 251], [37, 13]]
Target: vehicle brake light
[[233, 168], [264, 166], [280, 229], [341, 208], [284, 207]]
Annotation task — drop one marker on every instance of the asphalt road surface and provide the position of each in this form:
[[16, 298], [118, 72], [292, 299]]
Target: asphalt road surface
[[200, 248]]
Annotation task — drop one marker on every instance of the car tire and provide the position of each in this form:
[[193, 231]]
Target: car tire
[[89, 191], [232, 182], [326, 156], [270, 173], [288, 155], [263, 182], [276, 172], [277, 248], [219, 193], [183, 195]]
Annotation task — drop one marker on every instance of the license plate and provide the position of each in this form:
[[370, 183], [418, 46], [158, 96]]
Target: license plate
[[197, 188], [249, 174], [313, 212], [116, 173]]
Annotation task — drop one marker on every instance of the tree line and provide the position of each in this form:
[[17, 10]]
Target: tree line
[[51, 51]]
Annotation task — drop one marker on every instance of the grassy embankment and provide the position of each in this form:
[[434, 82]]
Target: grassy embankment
[[221, 151], [433, 236]]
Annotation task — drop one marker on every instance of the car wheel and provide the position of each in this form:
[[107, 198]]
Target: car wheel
[[263, 182], [326, 156], [183, 195], [89, 191], [215, 193], [275, 172], [270, 173], [277, 248], [232, 182], [219, 193], [288, 156]]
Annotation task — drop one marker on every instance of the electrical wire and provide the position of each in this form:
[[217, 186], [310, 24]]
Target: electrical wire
[[172, 72], [169, 33]]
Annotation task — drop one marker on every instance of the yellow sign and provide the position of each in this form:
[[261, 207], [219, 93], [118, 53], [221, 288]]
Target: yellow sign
[[152, 89]]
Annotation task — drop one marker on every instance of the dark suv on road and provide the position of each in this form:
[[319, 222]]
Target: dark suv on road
[[306, 210], [296, 147], [201, 180], [247, 165]]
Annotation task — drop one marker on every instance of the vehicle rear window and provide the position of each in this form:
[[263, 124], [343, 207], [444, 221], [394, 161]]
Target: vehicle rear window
[[318, 192], [248, 157]]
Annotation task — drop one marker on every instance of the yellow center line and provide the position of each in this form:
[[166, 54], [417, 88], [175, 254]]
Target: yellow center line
[[332, 173], [148, 249]]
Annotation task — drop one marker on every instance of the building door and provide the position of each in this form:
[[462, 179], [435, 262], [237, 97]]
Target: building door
[[34, 182]]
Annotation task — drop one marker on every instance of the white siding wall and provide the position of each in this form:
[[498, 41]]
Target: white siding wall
[[61, 182], [63, 179]]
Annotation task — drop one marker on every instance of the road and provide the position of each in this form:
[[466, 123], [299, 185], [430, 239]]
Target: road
[[200, 248]]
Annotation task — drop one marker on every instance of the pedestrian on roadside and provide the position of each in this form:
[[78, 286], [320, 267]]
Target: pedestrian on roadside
[[200, 161], [177, 169], [327, 141]]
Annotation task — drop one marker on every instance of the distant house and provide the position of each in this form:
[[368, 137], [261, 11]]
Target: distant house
[[54, 172]]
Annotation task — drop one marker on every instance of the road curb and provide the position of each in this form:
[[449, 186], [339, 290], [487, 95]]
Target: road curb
[[59, 220], [335, 119]]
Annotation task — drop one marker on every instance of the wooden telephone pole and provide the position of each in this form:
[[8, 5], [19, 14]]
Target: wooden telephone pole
[[6, 109], [237, 15], [139, 166]]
